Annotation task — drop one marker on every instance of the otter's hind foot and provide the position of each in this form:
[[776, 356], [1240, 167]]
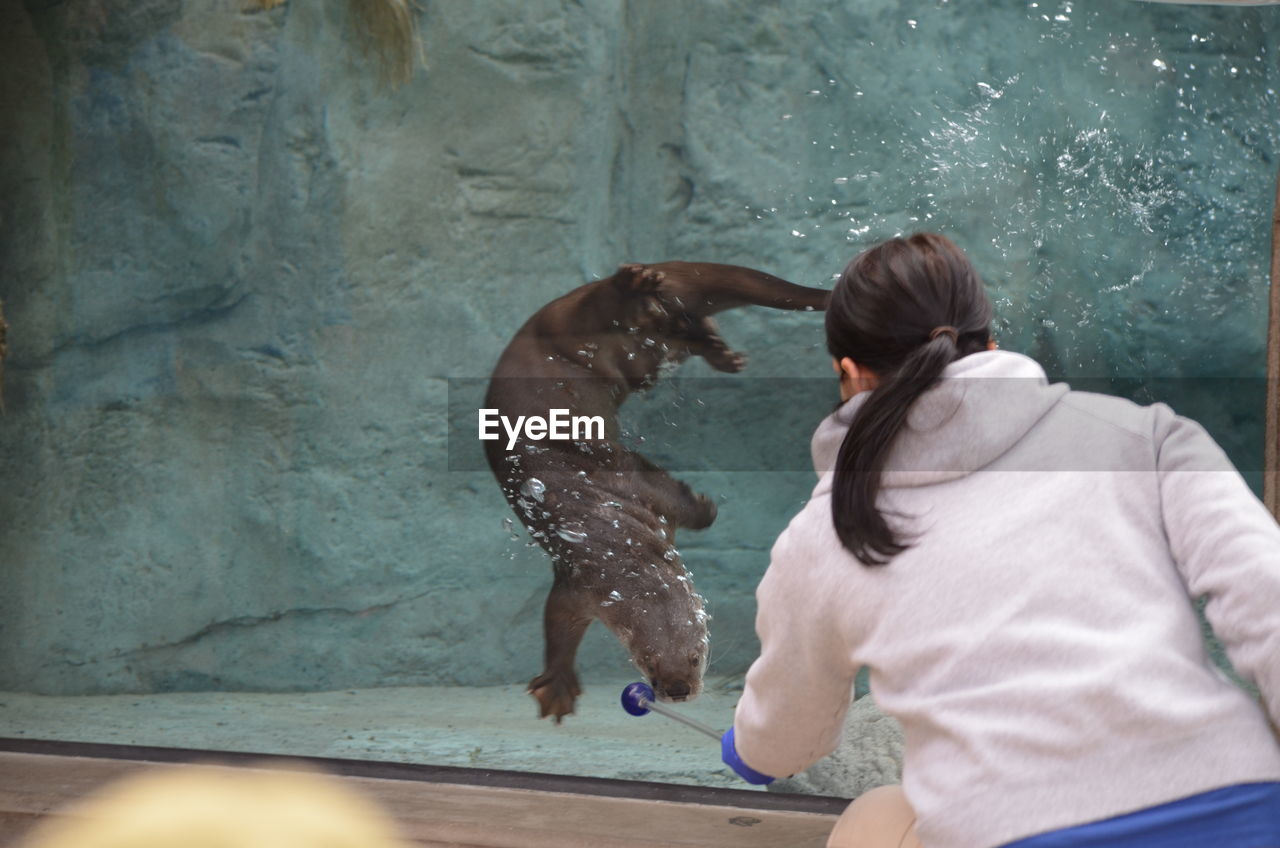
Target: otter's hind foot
[[702, 515], [728, 361], [637, 278], [704, 339], [721, 357]]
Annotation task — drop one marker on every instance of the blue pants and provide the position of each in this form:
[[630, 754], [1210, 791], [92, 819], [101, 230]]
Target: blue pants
[[1244, 816]]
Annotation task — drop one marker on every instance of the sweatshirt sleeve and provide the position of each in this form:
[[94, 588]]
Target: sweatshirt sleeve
[[1227, 547], [797, 692]]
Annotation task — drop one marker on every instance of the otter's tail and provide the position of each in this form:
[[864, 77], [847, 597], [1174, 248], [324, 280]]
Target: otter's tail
[[704, 288]]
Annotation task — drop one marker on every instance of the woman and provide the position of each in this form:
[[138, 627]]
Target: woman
[[1016, 563]]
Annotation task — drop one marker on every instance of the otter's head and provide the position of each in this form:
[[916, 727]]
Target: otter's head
[[662, 622]]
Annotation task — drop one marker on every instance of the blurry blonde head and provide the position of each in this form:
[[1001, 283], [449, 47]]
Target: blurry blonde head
[[212, 807]]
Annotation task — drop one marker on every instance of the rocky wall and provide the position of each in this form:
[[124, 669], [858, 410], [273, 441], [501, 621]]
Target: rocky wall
[[244, 278]]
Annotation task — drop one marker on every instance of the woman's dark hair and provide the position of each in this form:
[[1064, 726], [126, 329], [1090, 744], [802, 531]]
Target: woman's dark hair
[[905, 309]]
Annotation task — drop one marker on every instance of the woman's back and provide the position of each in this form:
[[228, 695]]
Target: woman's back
[[1016, 563], [1037, 640]]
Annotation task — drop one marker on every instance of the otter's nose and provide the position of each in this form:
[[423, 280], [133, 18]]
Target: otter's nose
[[679, 689]]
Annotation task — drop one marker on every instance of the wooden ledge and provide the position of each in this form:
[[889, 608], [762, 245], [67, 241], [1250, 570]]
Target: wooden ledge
[[440, 806]]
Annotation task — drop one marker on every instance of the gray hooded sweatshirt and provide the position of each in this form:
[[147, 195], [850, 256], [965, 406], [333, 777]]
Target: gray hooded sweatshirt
[[1038, 641]]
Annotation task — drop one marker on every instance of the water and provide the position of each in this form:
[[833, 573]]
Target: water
[[255, 294]]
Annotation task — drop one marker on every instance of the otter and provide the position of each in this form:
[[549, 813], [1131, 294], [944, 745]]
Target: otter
[[604, 513]]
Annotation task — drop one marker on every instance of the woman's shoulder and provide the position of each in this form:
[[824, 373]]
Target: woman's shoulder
[[1141, 421], [798, 535], [804, 533]]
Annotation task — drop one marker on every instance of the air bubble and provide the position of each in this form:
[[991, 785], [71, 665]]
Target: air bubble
[[576, 537]]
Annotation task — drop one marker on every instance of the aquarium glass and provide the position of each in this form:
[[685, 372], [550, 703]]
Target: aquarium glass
[[259, 259]]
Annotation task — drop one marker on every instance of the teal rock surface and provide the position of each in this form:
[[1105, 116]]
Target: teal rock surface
[[250, 287]]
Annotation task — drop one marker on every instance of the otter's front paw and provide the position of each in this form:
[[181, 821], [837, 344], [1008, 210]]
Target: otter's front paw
[[555, 694]]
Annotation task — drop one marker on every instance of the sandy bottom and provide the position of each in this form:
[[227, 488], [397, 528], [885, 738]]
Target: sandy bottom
[[478, 727]]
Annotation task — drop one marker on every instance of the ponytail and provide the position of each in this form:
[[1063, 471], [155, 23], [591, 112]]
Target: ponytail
[[905, 309], [860, 463]]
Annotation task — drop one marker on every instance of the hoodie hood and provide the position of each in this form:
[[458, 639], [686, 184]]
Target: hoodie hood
[[982, 406]]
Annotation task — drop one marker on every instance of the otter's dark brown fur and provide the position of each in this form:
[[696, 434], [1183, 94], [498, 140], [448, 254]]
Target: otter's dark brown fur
[[605, 514]]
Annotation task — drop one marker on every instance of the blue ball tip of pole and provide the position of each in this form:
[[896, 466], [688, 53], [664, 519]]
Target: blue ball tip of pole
[[635, 696]]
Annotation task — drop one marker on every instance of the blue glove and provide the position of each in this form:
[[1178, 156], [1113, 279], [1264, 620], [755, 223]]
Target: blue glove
[[729, 754]]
